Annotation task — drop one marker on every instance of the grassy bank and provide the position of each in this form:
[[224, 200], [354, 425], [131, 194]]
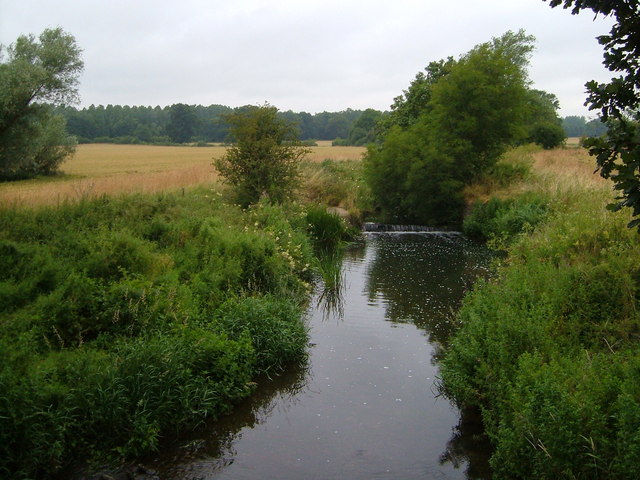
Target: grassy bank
[[548, 349], [125, 320]]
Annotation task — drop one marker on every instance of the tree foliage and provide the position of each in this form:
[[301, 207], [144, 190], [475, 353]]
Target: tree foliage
[[36, 74], [544, 126], [414, 101], [264, 158], [475, 108], [182, 123], [365, 129], [618, 153], [578, 126]]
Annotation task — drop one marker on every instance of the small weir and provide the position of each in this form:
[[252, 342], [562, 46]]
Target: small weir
[[365, 405], [370, 227]]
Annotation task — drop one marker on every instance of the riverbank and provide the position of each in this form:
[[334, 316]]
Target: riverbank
[[126, 320], [548, 349]]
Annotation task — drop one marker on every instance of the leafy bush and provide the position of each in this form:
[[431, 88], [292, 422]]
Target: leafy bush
[[273, 326], [264, 159], [125, 400], [505, 173], [502, 219], [468, 112], [548, 135], [413, 181]]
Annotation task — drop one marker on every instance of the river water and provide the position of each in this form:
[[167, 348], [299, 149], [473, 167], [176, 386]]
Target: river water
[[365, 406]]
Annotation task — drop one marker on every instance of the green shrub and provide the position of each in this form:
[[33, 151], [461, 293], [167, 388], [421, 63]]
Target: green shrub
[[263, 161], [548, 135], [505, 173], [26, 271], [76, 401], [108, 333], [503, 219], [114, 253], [575, 417]]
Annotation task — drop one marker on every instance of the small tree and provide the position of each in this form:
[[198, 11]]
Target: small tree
[[264, 158], [37, 74], [543, 124]]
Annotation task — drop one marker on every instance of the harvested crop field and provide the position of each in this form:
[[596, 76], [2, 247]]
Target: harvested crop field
[[98, 169]]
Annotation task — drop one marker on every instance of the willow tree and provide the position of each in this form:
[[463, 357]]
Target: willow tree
[[476, 107], [36, 75]]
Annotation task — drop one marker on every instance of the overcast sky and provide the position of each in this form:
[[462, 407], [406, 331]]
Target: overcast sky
[[303, 55]]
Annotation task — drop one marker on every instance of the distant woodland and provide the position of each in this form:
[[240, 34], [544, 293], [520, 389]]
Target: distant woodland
[[181, 123]]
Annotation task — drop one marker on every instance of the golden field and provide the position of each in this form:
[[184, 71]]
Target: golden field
[[98, 169], [553, 171]]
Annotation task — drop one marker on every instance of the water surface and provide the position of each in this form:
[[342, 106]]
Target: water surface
[[365, 406]]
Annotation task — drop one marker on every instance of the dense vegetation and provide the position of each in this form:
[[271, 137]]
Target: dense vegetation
[[547, 349], [127, 320], [198, 123], [452, 125]]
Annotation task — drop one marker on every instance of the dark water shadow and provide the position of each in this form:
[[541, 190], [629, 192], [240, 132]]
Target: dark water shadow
[[470, 446], [445, 266], [424, 277], [210, 449]]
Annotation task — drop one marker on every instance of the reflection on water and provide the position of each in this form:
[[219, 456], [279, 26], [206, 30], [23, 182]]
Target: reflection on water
[[364, 406], [421, 278], [213, 449], [469, 446]]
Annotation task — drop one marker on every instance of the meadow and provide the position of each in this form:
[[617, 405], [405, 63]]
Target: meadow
[[132, 254], [98, 169]]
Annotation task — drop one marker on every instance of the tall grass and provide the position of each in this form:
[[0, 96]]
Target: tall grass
[[337, 184], [548, 349]]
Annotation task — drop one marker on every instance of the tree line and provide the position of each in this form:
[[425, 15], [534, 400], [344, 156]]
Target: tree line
[[579, 126], [181, 123]]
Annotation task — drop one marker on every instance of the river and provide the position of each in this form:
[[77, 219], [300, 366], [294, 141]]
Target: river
[[365, 405]]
